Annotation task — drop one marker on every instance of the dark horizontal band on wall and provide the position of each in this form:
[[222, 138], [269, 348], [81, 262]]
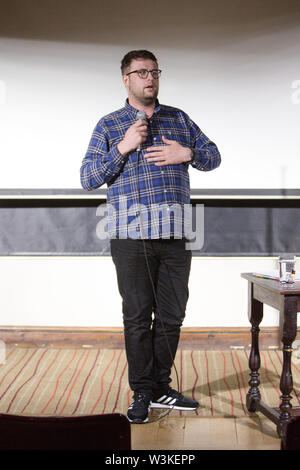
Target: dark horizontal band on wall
[[68, 227], [96, 337]]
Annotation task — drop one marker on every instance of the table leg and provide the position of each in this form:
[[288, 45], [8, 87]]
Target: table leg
[[288, 321], [255, 314]]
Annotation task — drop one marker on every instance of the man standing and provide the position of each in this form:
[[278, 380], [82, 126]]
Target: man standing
[[144, 160]]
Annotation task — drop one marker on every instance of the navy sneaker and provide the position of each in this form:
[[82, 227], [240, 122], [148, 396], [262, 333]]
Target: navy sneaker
[[139, 409], [175, 400]]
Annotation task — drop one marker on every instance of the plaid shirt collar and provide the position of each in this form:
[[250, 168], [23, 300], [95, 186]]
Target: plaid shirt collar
[[133, 111]]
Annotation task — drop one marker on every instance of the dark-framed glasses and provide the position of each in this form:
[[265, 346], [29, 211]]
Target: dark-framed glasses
[[143, 73]]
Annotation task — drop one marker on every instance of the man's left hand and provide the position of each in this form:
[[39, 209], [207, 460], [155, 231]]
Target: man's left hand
[[169, 154]]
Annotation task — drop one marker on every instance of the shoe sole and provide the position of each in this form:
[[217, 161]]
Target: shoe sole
[[180, 408], [137, 421]]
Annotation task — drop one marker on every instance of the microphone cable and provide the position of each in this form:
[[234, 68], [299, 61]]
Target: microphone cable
[[153, 288]]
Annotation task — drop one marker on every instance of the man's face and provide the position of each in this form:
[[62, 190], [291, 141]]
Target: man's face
[[141, 90]]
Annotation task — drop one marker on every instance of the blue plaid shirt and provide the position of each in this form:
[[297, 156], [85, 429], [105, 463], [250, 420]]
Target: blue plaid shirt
[[144, 200]]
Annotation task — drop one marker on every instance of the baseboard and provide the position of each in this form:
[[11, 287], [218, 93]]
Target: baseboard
[[113, 338]]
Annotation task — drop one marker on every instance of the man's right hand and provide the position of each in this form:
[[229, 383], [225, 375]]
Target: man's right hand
[[134, 136]]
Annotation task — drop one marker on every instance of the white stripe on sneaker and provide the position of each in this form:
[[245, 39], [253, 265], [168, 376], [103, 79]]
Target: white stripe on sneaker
[[173, 407], [161, 398]]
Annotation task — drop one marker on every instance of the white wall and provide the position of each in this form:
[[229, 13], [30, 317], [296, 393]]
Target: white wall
[[82, 291], [231, 65]]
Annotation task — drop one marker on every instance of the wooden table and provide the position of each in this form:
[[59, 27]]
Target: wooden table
[[286, 299]]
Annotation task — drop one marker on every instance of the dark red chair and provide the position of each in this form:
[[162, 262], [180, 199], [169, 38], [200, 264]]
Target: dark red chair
[[95, 432]]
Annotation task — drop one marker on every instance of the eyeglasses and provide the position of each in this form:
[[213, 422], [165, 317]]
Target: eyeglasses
[[143, 73]]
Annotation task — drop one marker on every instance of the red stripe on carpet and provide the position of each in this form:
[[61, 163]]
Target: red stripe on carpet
[[26, 381], [267, 374], [238, 381], [241, 373], [226, 383], [75, 380], [85, 382], [57, 382], [39, 382], [102, 377], [70, 381], [22, 368], [208, 385], [128, 396], [111, 383], [119, 388], [12, 368], [196, 379], [180, 382]]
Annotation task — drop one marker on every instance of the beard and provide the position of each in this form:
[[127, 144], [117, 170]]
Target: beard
[[147, 96], [150, 93], [149, 100]]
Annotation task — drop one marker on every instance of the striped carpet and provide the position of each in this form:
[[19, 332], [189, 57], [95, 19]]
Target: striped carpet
[[70, 382]]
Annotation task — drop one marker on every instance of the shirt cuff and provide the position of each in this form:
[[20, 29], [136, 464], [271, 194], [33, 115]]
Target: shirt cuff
[[117, 157]]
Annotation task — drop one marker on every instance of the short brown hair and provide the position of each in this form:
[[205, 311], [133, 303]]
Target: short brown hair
[[140, 54]]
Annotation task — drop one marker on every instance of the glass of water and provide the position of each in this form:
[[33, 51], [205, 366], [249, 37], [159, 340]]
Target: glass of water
[[287, 269]]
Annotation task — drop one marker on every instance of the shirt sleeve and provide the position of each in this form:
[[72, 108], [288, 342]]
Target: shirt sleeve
[[206, 154], [101, 163]]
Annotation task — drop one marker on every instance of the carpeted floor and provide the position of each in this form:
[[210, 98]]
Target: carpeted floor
[[94, 381]]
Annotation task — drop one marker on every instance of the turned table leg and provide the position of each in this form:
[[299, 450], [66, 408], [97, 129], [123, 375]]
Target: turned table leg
[[288, 332], [255, 314]]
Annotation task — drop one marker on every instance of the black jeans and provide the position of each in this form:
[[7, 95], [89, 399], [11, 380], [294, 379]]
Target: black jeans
[[151, 331]]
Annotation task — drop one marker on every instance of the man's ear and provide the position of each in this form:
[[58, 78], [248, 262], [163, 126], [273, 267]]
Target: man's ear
[[125, 79]]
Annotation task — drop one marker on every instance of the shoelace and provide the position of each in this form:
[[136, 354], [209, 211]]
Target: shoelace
[[141, 400], [173, 393]]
